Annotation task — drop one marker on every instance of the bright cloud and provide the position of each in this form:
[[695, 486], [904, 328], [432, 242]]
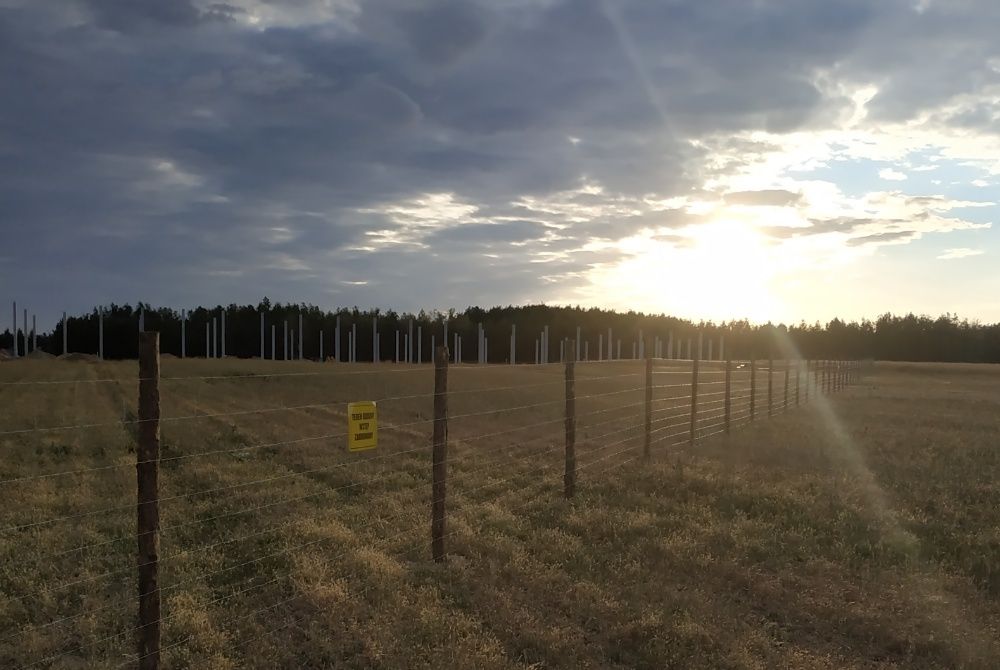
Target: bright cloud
[[954, 254]]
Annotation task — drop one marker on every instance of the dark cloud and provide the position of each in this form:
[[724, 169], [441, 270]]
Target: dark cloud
[[175, 139]]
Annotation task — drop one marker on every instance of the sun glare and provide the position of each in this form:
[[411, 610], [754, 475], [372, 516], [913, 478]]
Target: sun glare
[[721, 270]]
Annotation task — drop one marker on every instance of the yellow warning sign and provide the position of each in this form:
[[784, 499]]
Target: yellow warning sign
[[362, 425]]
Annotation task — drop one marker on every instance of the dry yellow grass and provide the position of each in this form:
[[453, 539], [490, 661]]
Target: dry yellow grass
[[860, 531]]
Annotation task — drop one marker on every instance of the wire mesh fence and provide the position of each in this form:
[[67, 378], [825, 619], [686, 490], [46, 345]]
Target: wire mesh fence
[[259, 505]]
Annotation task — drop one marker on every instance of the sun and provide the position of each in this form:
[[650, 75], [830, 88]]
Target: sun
[[717, 271]]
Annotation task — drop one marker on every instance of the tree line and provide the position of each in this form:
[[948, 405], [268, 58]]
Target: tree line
[[890, 337]]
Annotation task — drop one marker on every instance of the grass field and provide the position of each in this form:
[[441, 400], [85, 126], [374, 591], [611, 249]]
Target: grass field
[[860, 530]]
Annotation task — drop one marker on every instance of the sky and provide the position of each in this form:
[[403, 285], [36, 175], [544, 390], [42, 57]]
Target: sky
[[772, 160]]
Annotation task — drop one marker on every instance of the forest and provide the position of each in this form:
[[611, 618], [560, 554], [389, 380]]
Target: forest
[[889, 337]]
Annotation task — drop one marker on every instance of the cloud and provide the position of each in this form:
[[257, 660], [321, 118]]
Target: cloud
[[765, 198], [891, 175], [309, 144], [954, 254]]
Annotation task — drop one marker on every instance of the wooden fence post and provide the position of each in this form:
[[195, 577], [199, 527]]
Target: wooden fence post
[[770, 386], [439, 457], [753, 386], [798, 380], [147, 465], [784, 407], [694, 400], [808, 380], [647, 444], [569, 476], [729, 396]]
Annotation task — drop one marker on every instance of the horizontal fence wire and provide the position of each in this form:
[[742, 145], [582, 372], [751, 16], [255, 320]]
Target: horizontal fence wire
[[678, 421]]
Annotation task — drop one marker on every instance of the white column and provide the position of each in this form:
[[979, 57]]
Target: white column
[[578, 343], [65, 337], [432, 347], [301, 331], [642, 345], [701, 357], [183, 333], [420, 344], [274, 341], [27, 342], [722, 347], [336, 340], [321, 346], [15, 329], [456, 347], [689, 350], [610, 355], [375, 347], [215, 337], [670, 345], [291, 345], [34, 333], [409, 344]]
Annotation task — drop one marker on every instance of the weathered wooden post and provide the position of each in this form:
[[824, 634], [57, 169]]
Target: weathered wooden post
[[805, 390], [784, 407], [770, 386], [798, 380], [729, 395], [694, 400], [569, 476], [439, 456], [648, 441], [147, 475]]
